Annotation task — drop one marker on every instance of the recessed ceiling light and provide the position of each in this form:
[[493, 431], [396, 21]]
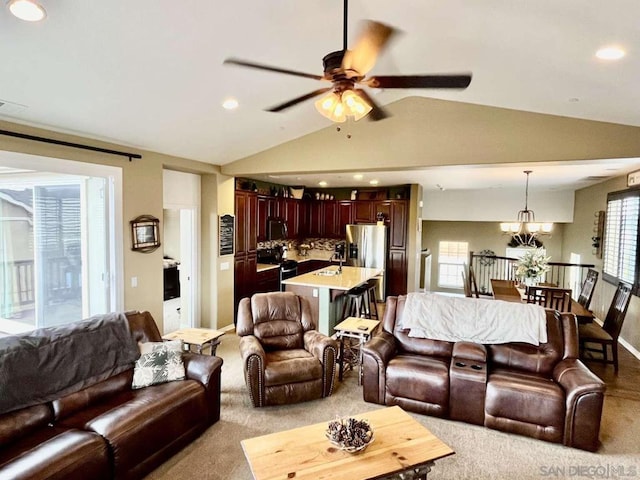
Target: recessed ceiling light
[[230, 104], [610, 53], [322, 183], [373, 182], [358, 176], [27, 10]]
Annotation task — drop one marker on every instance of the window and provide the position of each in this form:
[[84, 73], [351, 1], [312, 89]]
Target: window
[[57, 256], [620, 252], [451, 259]]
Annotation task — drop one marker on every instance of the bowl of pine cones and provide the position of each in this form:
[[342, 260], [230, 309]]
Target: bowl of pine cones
[[350, 434]]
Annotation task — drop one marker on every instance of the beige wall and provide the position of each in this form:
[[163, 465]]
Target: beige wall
[[481, 236], [142, 194], [429, 132], [577, 239]]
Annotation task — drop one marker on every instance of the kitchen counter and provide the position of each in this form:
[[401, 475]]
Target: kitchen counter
[[326, 292], [324, 255], [349, 278]]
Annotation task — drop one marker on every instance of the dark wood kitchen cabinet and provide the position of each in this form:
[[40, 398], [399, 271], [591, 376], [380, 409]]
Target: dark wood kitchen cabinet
[[396, 273], [245, 259], [268, 280], [345, 217], [266, 207], [363, 211], [323, 219]]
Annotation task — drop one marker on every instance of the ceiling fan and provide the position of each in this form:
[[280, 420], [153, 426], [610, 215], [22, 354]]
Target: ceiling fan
[[346, 70]]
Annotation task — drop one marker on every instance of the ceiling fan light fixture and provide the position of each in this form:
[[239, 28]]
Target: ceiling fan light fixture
[[331, 107], [356, 106], [27, 10]]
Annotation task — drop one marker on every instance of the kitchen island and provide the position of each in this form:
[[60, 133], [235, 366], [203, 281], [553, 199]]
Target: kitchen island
[[325, 288]]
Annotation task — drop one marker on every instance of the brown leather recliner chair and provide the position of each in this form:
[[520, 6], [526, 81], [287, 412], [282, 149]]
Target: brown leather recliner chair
[[285, 359]]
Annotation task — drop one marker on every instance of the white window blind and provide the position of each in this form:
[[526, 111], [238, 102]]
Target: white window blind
[[621, 237], [451, 259]]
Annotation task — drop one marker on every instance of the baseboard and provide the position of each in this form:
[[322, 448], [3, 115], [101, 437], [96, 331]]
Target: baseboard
[[630, 348], [228, 328]]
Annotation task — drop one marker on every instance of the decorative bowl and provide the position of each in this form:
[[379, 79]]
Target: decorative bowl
[[350, 434]]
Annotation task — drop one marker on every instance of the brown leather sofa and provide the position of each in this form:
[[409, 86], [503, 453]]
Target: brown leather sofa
[[286, 360], [108, 430], [544, 392]]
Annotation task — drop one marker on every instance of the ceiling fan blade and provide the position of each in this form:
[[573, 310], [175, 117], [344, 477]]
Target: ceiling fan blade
[[302, 98], [419, 81], [377, 112], [259, 66], [371, 42]]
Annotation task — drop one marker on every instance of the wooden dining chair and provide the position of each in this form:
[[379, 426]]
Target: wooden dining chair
[[588, 287], [465, 283], [607, 334], [550, 297], [473, 285]]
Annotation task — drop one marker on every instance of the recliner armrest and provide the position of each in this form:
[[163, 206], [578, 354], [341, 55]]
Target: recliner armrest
[[382, 347], [575, 378], [316, 343], [250, 345], [584, 399]]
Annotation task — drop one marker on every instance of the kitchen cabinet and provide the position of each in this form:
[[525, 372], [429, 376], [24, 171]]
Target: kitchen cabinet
[[291, 216], [246, 206], [396, 272], [312, 265], [398, 224], [266, 207], [323, 219], [363, 211], [246, 236], [268, 281], [345, 217]]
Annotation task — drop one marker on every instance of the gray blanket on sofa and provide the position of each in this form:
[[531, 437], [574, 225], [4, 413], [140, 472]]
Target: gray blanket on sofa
[[44, 364]]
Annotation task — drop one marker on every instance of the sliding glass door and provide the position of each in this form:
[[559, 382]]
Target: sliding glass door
[[55, 253]]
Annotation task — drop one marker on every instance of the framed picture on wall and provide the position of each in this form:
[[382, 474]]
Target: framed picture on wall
[[145, 236]]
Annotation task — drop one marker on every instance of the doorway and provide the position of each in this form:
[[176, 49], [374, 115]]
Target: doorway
[[181, 250]]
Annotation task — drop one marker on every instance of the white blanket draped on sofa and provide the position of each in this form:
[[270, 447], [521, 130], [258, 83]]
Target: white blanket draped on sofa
[[453, 319]]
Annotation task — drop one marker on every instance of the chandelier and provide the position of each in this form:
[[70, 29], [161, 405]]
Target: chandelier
[[526, 230]]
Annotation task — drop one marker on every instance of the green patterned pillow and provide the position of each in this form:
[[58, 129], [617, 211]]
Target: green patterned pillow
[[159, 362]]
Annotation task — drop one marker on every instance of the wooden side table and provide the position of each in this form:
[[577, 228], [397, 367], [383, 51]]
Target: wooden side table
[[357, 328], [200, 337]]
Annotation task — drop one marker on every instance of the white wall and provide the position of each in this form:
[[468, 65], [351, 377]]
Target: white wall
[[499, 205]]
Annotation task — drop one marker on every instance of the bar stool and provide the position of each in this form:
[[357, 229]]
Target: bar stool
[[372, 299], [354, 303]]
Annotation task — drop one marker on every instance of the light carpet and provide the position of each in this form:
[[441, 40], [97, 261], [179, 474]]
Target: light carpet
[[480, 453]]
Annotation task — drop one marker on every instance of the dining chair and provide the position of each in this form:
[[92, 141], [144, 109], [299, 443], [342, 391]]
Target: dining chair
[[550, 297], [607, 334], [473, 286], [465, 283], [588, 287]]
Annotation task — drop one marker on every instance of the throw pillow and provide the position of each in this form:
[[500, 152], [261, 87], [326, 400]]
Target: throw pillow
[[159, 362]]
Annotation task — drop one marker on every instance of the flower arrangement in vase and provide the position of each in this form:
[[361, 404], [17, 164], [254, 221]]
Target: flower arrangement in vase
[[531, 266]]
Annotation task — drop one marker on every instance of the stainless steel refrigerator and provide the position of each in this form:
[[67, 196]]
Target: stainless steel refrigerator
[[367, 247]]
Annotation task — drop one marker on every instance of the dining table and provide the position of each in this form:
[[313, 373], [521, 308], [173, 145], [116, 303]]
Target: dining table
[[509, 291]]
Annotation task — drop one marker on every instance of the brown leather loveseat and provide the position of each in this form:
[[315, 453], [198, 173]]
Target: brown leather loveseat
[[542, 391], [109, 430]]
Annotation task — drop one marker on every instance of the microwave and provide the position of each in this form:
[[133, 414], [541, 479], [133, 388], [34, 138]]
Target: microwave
[[276, 229]]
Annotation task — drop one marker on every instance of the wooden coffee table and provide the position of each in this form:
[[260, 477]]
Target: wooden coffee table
[[400, 445], [200, 337]]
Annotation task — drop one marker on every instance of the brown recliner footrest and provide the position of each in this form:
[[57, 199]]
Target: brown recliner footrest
[[468, 382]]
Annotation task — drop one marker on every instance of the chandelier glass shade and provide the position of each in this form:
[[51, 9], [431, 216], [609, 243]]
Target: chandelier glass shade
[[337, 106], [526, 229]]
